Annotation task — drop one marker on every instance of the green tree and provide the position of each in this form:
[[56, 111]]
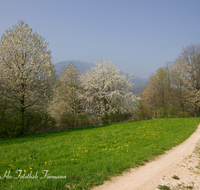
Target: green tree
[[66, 101]]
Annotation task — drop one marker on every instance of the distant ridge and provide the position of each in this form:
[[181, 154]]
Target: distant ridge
[[139, 83], [81, 66]]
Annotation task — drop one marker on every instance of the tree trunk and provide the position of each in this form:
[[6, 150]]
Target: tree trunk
[[22, 114]]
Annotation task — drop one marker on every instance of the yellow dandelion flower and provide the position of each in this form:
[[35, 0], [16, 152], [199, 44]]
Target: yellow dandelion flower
[[55, 163], [45, 162], [49, 161], [30, 168], [72, 159], [24, 170]]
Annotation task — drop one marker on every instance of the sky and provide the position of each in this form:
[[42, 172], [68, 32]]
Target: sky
[[137, 35]]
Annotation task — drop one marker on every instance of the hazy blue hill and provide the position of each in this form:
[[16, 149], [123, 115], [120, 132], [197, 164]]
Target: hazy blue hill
[[139, 83], [81, 66]]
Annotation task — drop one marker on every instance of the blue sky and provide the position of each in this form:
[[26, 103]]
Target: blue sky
[[139, 35]]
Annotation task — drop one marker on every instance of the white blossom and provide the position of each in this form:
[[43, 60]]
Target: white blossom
[[105, 90]]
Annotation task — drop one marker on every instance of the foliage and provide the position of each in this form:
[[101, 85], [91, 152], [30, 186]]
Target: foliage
[[34, 122], [70, 120], [174, 90], [66, 97], [88, 156], [164, 96], [176, 177], [189, 65], [26, 69], [116, 117], [164, 187], [105, 91]]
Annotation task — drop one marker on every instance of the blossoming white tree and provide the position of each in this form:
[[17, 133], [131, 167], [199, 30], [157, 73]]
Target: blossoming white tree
[[26, 67], [105, 90]]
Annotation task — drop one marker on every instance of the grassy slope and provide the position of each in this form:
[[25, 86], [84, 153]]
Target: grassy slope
[[88, 156]]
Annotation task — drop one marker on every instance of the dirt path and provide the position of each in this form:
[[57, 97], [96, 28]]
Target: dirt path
[[182, 161]]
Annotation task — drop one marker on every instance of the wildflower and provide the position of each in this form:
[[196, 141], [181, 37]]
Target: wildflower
[[30, 168], [45, 162], [55, 163], [24, 170]]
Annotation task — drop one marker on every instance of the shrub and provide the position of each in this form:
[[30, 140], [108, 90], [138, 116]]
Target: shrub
[[38, 121], [34, 122], [116, 117], [10, 125], [70, 120]]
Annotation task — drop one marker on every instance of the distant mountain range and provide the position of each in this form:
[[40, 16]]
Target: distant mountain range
[[139, 83]]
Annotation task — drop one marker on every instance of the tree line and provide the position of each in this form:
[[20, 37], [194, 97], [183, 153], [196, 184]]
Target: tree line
[[173, 91], [33, 99]]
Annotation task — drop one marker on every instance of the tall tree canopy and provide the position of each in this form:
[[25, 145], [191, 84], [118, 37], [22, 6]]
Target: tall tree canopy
[[66, 98], [105, 90], [26, 67], [189, 64]]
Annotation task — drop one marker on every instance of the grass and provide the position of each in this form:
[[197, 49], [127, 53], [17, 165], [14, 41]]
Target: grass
[[176, 177], [189, 187], [163, 187], [86, 157]]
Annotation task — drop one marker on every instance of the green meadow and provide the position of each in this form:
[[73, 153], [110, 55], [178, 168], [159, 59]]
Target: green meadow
[[85, 157]]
